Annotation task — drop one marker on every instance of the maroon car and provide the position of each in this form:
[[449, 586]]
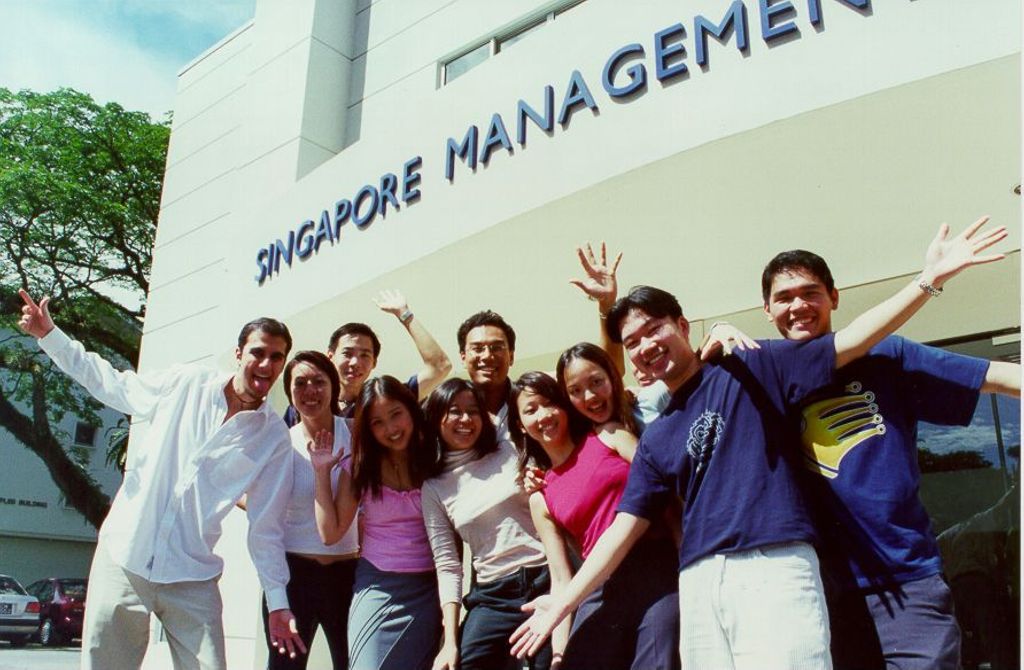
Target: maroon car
[[62, 607]]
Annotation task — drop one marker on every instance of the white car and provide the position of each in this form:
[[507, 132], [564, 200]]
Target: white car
[[19, 612]]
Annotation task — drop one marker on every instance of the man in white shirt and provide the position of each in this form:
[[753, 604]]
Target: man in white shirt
[[208, 438]]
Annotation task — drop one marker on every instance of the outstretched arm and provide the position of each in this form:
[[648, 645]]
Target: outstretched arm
[[123, 390], [1002, 378], [436, 364], [606, 555], [944, 259], [601, 286], [559, 565]]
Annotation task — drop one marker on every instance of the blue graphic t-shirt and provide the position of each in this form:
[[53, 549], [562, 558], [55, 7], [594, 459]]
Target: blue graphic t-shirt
[[859, 441], [726, 445]]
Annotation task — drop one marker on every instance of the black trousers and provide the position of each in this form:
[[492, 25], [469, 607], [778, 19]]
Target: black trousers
[[319, 596]]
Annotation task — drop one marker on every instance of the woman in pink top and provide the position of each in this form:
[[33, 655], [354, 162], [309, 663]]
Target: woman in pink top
[[395, 619], [633, 620]]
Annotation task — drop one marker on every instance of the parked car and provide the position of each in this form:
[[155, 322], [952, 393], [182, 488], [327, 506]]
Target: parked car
[[61, 608], [19, 612]]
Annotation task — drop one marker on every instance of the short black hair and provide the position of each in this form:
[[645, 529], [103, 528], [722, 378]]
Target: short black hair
[[321, 363], [435, 410], [354, 328], [653, 301], [486, 318], [796, 259], [270, 326]]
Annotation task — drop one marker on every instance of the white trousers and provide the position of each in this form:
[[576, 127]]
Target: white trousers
[[117, 612], [755, 610]]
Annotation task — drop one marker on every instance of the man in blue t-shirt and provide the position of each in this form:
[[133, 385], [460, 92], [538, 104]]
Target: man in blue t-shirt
[[749, 586], [888, 603]]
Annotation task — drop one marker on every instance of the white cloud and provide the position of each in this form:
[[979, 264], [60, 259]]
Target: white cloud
[[43, 48]]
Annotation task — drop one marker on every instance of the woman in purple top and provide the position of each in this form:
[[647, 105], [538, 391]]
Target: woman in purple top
[[395, 618], [632, 622]]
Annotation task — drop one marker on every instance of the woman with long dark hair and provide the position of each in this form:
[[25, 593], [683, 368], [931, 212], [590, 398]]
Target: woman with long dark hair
[[633, 620], [320, 586], [594, 386], [395, 617], [476, 497]]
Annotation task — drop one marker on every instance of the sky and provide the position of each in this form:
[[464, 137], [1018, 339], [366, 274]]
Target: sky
[[124, 51]]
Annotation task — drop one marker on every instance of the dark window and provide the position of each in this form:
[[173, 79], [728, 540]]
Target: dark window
[[10, 587], [970, 485], [85, 434]]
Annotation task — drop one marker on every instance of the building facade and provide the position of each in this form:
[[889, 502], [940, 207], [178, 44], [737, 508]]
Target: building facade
[[459, 151], [40, 534]]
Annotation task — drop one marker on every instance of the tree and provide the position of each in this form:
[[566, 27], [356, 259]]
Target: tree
[[959, 459], [79, 199]]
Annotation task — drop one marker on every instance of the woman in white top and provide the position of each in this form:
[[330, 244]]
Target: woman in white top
[[475, 497], [320, 588]]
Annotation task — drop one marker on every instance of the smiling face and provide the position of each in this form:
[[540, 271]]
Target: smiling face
[[260, 361], [590, 390], [659, 347], [310, 391], [353, 356], [391, 424], [800, 306], [543, 420], [487, 356], [461, 426]]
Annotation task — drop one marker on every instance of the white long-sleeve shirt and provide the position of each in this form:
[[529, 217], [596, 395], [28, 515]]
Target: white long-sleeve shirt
[[186, 472], [300, 533]]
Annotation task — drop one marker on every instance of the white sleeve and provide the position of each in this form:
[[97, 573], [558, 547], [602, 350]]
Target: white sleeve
[[266, 503], [444, 543], [125, 391], [651, 401]]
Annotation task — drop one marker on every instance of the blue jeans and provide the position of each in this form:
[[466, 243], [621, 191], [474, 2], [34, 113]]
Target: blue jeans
[[633, 620], [492, 615], [319, 597], [910, 626]]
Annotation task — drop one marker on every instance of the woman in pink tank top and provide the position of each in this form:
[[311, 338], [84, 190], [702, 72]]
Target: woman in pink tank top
[[395, 618], [632, 621]]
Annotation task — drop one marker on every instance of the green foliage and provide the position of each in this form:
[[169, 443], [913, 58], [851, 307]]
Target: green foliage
[[961, 459], [79, 199]]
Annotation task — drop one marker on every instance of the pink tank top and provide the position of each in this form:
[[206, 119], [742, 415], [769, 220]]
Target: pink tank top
[[583, 492]]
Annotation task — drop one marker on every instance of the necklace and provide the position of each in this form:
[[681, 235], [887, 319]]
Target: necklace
[[245, 404]]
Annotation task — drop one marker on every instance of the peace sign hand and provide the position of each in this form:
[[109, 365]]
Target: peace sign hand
[[35, 319]]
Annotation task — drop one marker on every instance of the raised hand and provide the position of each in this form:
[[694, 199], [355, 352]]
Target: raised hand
[[946, 257], [35, 319], [284, 633], [392, 302], [321, 449], [600, 283]]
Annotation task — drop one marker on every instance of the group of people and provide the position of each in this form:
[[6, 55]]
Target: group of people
[[747, 505]]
